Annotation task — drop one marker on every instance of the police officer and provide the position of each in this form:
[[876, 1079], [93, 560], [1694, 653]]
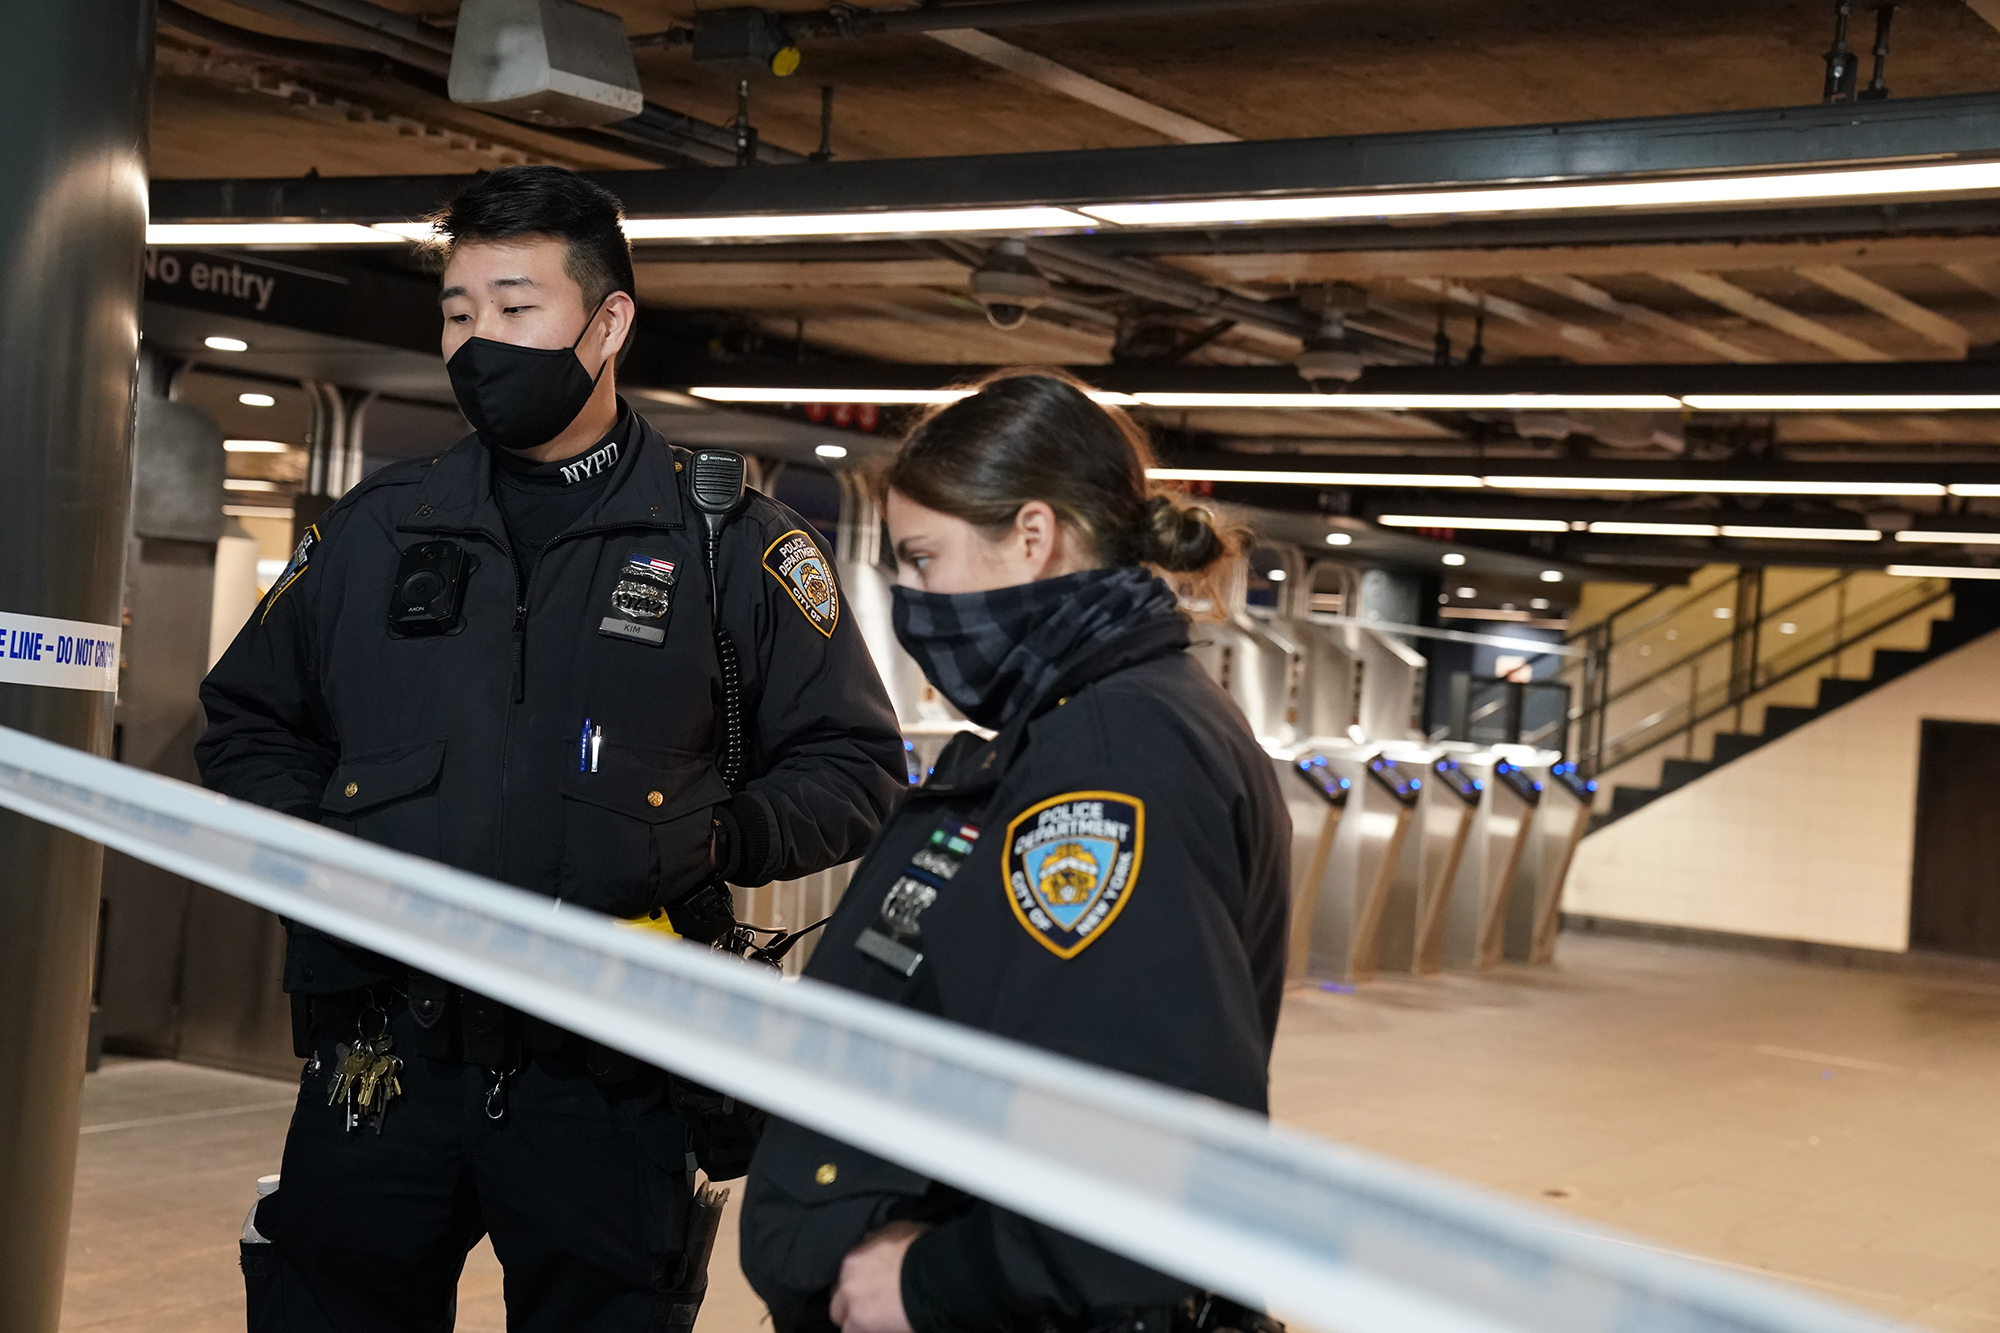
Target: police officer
[[1105, 878], [508, 657]]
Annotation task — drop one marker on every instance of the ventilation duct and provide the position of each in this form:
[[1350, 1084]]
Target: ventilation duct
[[551, 62]]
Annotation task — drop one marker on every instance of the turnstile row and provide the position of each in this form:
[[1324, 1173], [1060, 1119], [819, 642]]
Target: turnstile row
[[1421, 860]]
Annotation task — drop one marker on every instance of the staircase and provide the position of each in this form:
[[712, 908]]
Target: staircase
[[1975, 612]]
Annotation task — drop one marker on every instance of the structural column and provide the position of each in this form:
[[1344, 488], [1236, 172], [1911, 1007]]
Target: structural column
[[74, 94]]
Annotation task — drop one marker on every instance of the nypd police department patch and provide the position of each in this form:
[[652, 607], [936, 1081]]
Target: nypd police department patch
[[795, 561], [1070, 863]]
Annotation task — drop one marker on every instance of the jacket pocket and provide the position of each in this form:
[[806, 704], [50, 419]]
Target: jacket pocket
[[636, 832], [389, 796]]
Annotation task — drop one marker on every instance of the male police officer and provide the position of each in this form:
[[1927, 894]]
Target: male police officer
[[505, 658]]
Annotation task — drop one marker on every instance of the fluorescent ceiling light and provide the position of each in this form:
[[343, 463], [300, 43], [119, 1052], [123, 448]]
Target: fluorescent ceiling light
[[1803, 534], [1715, 486], [409, 231], [830, 450], [1960, 538], [907, 222], [1621, 529], [1452, 558], [255, 446], [257, 511], [248, 484], [1423, 402], [256, 400], [1548, 576], [1473, 524], [1338, 539], [1941, 572], [1255, 475], [1843, 402], [724, 393], [269, 233], [218, 343], [1945, 178], [1975, 490]]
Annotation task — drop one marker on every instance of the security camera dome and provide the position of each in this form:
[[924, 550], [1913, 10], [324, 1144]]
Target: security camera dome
[[1008, 285]]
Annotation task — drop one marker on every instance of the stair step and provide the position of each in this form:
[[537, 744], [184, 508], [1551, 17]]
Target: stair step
[[1833, 692], [1734, 745], [1624, 800], [1781, 718], [1677, 773], [1893, 662]]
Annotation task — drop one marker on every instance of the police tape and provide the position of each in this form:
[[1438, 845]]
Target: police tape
[[1323, 1234]]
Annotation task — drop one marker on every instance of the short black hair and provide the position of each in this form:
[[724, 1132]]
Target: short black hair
[[546, 201]]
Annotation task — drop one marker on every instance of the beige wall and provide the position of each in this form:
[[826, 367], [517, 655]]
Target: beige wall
[[1808, 838]]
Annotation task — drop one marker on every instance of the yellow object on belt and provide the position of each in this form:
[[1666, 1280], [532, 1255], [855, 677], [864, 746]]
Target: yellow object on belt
[[658, 923]]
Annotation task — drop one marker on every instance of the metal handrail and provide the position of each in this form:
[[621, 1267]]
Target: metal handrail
[[1841, 645], [1710, 646]]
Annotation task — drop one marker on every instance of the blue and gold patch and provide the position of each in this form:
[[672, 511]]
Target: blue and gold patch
[[795, 561], [1070, 863]]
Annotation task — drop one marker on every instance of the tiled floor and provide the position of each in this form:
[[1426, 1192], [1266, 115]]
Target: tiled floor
[[1832, 1127]]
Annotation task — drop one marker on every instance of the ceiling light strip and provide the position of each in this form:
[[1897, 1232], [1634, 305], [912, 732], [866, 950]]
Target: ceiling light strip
[[1949, 538], [1769, 188], [1941, 572], [1257, 476], [1472, 524]]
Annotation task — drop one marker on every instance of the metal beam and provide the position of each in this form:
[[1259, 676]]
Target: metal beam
[[1645, 317], [1073, 83], [1894, 305], [1930, 128], [1672, 379], [1751, 306]]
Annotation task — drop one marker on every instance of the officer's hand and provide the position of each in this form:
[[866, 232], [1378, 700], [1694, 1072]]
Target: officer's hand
[[869, 1298]]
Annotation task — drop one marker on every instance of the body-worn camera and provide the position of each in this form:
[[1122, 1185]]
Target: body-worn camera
[[429, 592]]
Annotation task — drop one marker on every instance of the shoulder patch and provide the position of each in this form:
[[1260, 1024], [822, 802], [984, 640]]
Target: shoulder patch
[[794, 560], [1070, 862], [301, 554]]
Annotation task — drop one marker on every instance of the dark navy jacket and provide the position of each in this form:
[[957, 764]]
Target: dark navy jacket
[[465, 747], [1179, 984]]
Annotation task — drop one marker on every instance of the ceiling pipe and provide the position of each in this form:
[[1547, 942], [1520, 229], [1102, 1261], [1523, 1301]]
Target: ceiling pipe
[[1080, 264]]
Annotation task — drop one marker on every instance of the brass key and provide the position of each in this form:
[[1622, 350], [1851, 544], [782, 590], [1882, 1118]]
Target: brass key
[[350, 1063]]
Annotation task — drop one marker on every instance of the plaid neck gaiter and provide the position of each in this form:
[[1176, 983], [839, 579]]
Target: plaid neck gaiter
[[992, 653]]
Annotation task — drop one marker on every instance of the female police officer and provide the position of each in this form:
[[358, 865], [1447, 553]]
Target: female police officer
[[1105, 878]]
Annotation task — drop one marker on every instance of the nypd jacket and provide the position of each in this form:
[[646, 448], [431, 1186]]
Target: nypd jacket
[[471, 747], [1106, 879]]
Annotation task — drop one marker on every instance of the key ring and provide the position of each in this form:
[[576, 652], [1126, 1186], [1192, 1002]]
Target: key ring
[[361, 1021]]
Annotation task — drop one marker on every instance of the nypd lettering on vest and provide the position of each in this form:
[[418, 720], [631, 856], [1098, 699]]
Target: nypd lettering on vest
[[795, 561], [1070, 863]]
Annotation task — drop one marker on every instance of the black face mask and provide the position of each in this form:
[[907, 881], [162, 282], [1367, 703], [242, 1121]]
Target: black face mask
[[521, 397]]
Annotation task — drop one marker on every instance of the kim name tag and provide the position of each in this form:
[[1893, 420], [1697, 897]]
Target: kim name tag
[[625, 629]]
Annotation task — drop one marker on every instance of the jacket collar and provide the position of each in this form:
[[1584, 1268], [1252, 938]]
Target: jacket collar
[[643, 492], [971, 769]]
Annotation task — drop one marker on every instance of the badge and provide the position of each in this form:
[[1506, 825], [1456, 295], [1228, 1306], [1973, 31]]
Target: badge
[[1070, 863], [794, 560], [894, 937], [644, 592], [300, 555]]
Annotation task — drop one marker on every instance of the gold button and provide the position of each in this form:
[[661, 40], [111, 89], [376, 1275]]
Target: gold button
[[826, 1174], [352, 788], [654, 799]]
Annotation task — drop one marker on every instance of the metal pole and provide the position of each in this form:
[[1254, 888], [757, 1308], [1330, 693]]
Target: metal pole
[[74, 94]]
